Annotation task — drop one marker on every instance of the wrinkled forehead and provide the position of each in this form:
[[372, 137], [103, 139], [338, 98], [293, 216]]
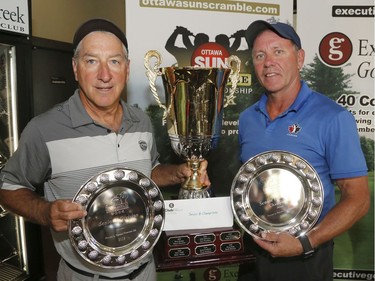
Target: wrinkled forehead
[[101, 40], [271, 39]]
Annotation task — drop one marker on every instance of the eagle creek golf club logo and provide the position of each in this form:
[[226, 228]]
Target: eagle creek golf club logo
[[142, 145], [118, 205], [14, 16], [335, 49]]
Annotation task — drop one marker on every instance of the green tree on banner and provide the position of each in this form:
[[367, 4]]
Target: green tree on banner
[[367, 145], [327, 80]]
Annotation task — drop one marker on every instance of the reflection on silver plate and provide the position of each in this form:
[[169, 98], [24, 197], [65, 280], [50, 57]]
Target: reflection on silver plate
[[125, 218], [276, 191]]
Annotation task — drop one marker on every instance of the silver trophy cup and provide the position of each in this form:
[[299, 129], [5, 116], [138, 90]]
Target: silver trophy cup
[[193, 111]]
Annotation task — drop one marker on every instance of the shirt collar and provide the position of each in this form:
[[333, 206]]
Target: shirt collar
[[303, 95]]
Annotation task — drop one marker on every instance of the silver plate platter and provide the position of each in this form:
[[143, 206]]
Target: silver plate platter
[[125, 218], [276, 191]]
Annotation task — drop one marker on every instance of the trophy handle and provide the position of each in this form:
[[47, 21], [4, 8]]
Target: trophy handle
[[152, 74], [233, 76]]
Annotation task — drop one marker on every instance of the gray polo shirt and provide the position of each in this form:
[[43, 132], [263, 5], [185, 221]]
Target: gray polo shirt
[[63, 148]]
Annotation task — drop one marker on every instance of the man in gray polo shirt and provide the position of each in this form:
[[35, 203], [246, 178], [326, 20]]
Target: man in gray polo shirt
[[91, 132]]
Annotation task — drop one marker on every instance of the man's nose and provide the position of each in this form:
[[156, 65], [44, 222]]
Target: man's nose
[[104, 73]]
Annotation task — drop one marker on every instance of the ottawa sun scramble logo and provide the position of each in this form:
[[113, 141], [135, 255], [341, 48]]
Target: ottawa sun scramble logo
[[210, 55]]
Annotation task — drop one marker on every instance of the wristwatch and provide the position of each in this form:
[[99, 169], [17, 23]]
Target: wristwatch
[[308, 251]]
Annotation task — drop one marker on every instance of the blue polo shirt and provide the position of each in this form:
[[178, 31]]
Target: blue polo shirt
[[314, 127]]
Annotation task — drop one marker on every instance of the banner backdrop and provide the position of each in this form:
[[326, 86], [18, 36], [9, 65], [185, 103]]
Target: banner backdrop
[[203, 33], [340, 63]]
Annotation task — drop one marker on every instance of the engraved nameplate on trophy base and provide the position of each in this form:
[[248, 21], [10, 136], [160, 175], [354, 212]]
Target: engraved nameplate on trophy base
[[214, 242], [179, 250], [179, 241]]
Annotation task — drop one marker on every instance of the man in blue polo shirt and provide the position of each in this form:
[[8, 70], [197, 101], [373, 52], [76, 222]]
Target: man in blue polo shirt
[[93, 131], [291, 117]]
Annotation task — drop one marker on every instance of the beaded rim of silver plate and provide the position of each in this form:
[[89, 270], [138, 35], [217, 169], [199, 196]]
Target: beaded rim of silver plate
[[277, 191], [125, 218]]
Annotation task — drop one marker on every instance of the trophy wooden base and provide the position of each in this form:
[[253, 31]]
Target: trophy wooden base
[[177, 250]]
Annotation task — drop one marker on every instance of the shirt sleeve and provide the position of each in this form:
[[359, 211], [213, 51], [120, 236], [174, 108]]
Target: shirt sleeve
[[29, 166], [344, 153]]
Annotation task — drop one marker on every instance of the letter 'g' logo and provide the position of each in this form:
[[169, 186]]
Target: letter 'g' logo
[[335, 49], [212, 274]]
